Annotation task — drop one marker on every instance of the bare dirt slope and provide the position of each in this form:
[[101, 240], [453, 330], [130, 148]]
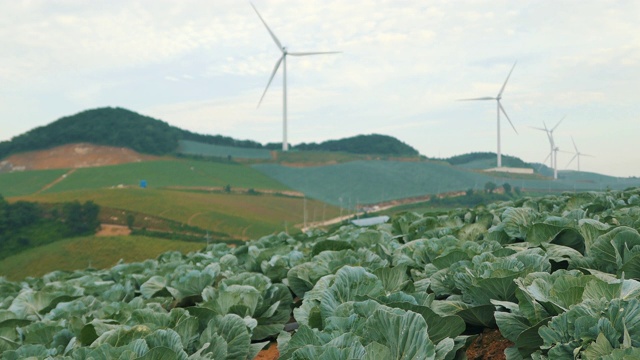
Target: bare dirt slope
[[73, 156]]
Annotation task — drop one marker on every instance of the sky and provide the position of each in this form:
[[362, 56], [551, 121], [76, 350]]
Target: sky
[[203, 65]]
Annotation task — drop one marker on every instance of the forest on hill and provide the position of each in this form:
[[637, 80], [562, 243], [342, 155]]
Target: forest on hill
[[508, 161], [124, 128], [112, 127], [363, 144]]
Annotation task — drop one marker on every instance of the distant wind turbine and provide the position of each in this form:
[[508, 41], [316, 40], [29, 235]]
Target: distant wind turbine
[[553, 149], [500, 108], [577, 155], [283, 60]]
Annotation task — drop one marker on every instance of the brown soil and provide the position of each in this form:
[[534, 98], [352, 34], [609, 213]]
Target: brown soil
[[489, 345], [73, 156], [270, 353], [113, 230]]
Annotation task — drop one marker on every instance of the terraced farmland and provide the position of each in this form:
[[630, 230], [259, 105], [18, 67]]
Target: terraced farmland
[[28, 182], [196, 148], [367, 182], [186, 173]]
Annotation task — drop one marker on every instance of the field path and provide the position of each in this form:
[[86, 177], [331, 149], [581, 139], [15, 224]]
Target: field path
[[49, 185], [113, 230], [192, 217]]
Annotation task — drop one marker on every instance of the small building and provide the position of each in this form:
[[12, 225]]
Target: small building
[[511, 170], [370, 221]]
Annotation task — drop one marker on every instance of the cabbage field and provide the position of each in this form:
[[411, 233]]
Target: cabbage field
[[558, 276]]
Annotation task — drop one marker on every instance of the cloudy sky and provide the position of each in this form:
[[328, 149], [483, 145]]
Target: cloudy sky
[[203, 65]]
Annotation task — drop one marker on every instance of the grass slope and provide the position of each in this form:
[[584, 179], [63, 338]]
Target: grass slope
[[239, 215], [188, 173], [367, 182], [27, 182], [79, 253]]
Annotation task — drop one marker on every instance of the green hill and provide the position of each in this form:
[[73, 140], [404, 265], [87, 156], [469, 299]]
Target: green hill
[[124, 128], [368, 182], [363, 144], [484, 160], [113, 127]]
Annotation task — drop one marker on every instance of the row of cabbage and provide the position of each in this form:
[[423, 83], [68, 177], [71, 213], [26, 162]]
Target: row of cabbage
[[558, 276]]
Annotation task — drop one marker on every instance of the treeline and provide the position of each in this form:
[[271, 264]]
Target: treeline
[[363, 144], [26, 224]]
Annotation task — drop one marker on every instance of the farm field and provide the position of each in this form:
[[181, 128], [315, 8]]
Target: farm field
[[82, 252], [240, 215], [28, 182], [555, 277], [368, 182], [188, 147], [163, 173]]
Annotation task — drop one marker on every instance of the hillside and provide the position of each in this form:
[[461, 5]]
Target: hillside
[[72, 156]]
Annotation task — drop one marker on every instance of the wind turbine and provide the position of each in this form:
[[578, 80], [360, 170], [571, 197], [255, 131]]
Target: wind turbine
[[283, 60], [553, 155], [577, 155], [500, 108]]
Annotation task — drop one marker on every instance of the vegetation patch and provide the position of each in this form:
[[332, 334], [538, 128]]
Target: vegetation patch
[[24, 225]]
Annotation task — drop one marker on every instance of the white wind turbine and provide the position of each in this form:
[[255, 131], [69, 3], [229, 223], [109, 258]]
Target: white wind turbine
[[577, 155], [553, 152], [283, 60], [500, 108]]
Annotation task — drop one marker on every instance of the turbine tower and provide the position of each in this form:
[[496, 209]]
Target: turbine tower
[[577, 155], [283, 60], [500, 108], [553, 149]]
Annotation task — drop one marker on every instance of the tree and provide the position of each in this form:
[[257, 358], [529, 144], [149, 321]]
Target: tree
[[490, 187], [82, 219], [469, 192], [507, 188]]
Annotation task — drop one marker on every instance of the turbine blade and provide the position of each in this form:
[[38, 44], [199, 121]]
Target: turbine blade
[[574, 145], [275, 69], [537, 128], [313, 53], [558, 123], [507, 116], [581, 154], [544, 161], [505, 82], [481, 98], [570, 161], [273, 36]]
